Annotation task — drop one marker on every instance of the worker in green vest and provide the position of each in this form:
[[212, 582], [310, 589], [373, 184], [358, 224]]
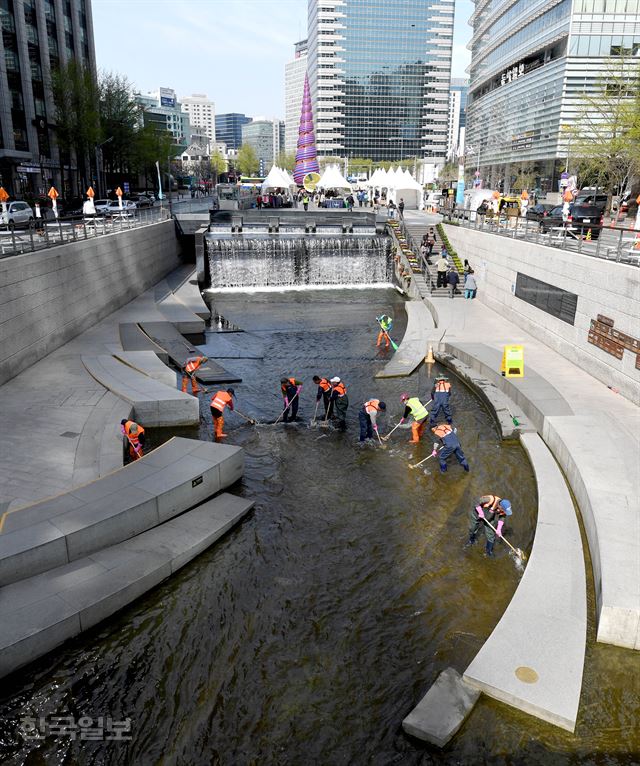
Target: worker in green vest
[[415, 409]]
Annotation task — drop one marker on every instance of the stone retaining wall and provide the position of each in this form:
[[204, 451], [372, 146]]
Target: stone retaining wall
[[603, 287], [50, 296]]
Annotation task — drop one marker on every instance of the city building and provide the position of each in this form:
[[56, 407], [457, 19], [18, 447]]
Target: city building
[[457, 117], [38, 36], [202, 115], [379, 73], [267, 139], [163, 110], [532, 64], [294, 72], [229, 128]]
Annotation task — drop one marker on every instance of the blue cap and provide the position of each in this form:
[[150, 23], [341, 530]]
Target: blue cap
[[506, 506]]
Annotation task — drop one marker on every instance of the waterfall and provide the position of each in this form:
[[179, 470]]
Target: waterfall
[[295, 261]]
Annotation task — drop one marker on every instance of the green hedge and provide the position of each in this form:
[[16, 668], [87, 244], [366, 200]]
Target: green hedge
[[450, 249]]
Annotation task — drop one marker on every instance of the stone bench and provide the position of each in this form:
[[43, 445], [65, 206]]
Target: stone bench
[[534, 658], [43, 611], [148, 364], [174, 477], [413, 348], [154, 403], [176, 312], [601, 461]]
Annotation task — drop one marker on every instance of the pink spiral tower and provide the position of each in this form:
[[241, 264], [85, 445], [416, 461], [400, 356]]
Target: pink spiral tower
[[306, 155]]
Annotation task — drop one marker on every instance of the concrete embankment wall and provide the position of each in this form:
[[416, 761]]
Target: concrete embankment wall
[[49, 297], [603, 287]]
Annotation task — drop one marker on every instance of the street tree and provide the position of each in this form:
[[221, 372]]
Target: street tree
[[120, 118], [286, 160], [247, 162], [604, 144], [75, 97], [218, 165]]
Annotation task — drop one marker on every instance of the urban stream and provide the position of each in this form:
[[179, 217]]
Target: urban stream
[[308, 632]]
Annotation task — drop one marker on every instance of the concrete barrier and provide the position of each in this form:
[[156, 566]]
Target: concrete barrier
[[50, 296], [534, 658], [43, 611], [153, 402], [413, 348], [176, 476]]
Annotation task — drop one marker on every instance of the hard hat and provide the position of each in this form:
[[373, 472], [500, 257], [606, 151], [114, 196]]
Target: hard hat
[[334, 380], [506, 506], [404, 397], [382, 405], [231, 391]]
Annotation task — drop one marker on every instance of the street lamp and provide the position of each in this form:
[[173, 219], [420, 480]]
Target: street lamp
[[99, 165]]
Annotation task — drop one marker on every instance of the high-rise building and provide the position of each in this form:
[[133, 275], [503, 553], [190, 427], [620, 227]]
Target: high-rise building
[[532, 64], [267, 139], [379, 73], [202, 115], [457, 116], [38, 36], [163, 110], [229, 128], [294, 72]]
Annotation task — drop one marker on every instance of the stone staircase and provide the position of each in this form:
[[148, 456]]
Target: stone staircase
[[426, 283]]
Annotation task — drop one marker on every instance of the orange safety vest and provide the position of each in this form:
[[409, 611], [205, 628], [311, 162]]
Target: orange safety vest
[[220, 400], [442, 386], [192, 364], [340, 388], [491, 504], [132, 431], [293, 383], [444, 429], [372, 406], [324, 384]]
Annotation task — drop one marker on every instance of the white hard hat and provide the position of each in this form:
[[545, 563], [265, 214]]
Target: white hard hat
[[334, 380]]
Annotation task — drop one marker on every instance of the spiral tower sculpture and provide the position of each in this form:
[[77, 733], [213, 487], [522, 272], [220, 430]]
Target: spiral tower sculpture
[[306, 154]]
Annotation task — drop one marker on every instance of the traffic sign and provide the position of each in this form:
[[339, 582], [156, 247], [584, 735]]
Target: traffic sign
[[126, 187]]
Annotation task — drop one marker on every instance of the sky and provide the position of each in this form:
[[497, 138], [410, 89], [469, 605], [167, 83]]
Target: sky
[[232, 50]]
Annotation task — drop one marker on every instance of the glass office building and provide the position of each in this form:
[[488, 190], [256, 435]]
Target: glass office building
[[379, 74], [229, 128], [532, 64]]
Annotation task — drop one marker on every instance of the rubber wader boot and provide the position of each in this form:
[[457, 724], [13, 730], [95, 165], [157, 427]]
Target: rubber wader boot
[[489, 549]]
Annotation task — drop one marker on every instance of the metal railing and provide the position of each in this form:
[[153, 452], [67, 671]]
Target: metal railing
[[42, 234], [606, 242]]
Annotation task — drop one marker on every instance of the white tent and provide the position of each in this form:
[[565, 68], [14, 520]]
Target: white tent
[[332, 178], [404, 186], [276, 179]]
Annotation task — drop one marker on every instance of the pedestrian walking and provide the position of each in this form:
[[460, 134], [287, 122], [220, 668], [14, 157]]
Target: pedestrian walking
[[470, 285], [401, 209], [442, 266], [453, 279], [391, 209], [305, 202]]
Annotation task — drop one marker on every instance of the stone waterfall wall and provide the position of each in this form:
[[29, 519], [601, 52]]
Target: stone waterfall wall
[[50, 296]]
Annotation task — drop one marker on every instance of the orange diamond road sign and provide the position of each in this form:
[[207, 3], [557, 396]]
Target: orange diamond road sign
[[52, 193], [3, 194], [119, 192], [90, 192]]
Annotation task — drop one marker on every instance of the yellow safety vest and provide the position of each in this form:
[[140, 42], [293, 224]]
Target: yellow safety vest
[[418, 410]]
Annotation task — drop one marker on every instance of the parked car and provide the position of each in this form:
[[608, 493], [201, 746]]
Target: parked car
[[102, 206], [539, 211], [18, 214], [587, 217], [141, 201], [591, 197], [552, 219], [150, 195], [128, 208]]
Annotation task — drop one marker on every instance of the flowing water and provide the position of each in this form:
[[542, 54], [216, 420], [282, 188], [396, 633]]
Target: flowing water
[[290, 260], [307, 633]]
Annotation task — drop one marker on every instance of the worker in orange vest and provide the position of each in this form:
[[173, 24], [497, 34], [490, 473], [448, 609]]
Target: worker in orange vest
[[219, 401], [340, 402], [290, 388], [192, 364], [450, 446], [440, 393], [368, 417], [324, 393], [134, 434]]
